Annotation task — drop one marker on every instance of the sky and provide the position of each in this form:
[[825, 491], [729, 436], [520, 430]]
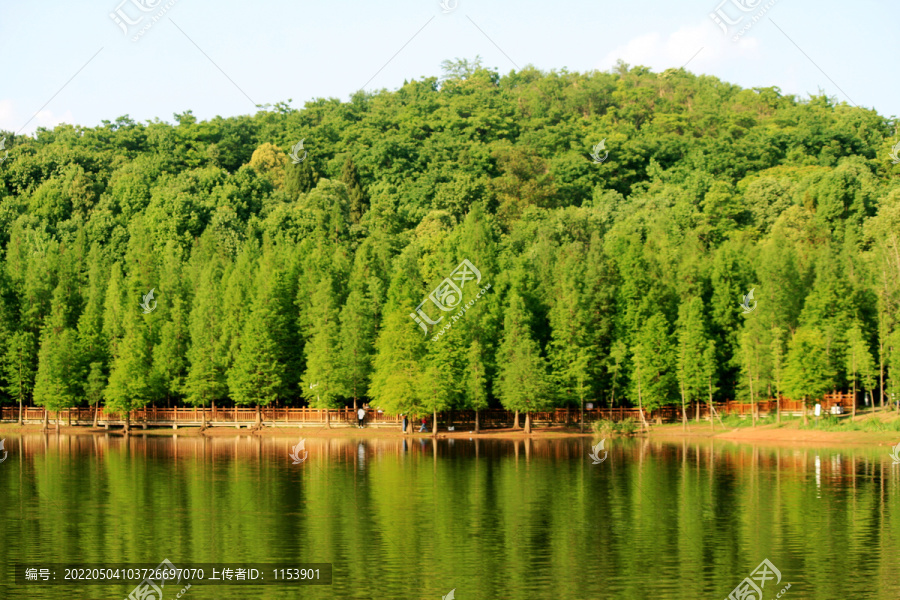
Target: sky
[[68, 62]]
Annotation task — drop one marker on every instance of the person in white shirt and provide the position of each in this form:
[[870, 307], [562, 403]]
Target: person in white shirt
[[360, 416]]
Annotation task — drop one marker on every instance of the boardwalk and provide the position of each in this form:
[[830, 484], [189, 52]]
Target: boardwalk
[[312, 417]]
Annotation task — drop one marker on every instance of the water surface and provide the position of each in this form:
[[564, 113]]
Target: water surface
[[522, 520]]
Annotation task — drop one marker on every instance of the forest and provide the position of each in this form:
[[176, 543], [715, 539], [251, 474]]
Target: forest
[[617, 282]]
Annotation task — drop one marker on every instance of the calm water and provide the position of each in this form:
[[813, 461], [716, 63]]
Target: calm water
[[490, 519]]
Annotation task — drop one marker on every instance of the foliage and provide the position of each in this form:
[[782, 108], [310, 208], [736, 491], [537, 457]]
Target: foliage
[[616, 283]]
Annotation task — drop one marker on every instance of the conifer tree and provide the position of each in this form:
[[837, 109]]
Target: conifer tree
[[18, 363], [567, 320], [300, 178], [809, 372], [654, 361], [692, 345], [522, 380], [205, 382], [359, 202], [129, 384], [257, 375], [322, 384], [475, 389], [357, 333], [400, 346], [859, 364]]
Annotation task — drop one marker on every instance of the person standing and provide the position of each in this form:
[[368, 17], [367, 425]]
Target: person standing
[[360, 416], [405, 423]]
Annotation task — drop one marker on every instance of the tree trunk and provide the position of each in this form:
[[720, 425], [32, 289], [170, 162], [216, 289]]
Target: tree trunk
[[127, 422], [853, 408], [434, 424], [752, 404], [516, 423], [69, 417], [355, 407], [641, 408], [880, 370], [21, 422], [477, 421], [213, 406], [683, 412], [778, 408], [57, 421], [258, 416], [582, 416], [712, 424], [327, 418], [805, 411], [528, 423], [697, 411], [46, 419]]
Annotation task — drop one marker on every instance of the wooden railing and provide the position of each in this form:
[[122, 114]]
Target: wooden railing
[[489, 417]]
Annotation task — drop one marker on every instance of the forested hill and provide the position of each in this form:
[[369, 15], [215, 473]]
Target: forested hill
[[619, 281]]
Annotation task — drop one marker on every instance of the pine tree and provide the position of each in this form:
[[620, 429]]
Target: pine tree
[[321, 382], [859, 364], [300, 178], [400, 347], [692, 345], [357, 333], [437, 387], [257, 375], [58, 374], [129, 384], [18, 366], [522, 382], [475, 389], [809, 372], [359, 202], [567, 320], [654, 360], [205, 382]]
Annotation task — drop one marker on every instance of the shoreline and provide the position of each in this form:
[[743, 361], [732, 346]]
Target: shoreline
[[786, 433]]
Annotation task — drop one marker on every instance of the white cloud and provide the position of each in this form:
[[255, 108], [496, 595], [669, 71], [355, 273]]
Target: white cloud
[[673, 51], [12, 120]]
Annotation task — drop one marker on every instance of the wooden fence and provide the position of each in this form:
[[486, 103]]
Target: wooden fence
[[344, 417]]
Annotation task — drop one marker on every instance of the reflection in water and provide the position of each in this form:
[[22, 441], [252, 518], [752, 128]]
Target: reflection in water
[[818, 476], [518, 519]]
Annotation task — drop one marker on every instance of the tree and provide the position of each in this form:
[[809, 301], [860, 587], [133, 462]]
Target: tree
[[359, 201], [300, 178], [522, 383], [321, 383], [475, 389], [357, 331], [400, 349], [129, 384], [808, 372], [654, 359], [19, 367], [692, 345], [257, 374], [207, 354], [859, 363], [58, 373], [437, 387], [778, 357]]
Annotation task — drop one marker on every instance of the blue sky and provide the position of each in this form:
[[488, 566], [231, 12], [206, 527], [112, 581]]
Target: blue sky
[[74, 64]]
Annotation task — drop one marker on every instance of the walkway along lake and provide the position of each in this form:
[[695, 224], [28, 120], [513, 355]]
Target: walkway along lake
[[519, 520]]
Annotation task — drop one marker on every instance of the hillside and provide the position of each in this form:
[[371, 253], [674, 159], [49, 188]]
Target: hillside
[[617, 282]]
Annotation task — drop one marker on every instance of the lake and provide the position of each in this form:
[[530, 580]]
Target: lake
[[522, 520]]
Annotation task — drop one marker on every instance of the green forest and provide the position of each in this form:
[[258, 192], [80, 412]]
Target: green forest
[[278, 282]]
